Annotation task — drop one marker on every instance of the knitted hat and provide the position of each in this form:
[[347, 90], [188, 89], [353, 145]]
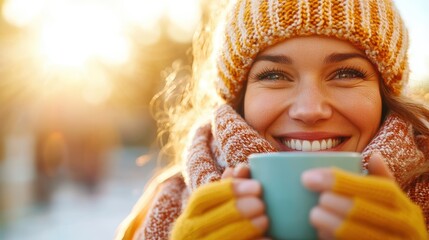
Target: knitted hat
[[373, 26]]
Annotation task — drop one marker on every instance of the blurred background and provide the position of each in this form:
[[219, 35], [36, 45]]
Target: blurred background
[[77, 139]]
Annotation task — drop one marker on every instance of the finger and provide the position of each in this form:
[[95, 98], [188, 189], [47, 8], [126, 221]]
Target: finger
[[227, 173], [378, 167], [250, 207], [336, 204], [324, 221], [247, 187], [260, 222], [318, 179], [241, 171]]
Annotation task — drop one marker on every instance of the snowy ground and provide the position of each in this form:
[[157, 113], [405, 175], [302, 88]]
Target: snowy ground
[[75, 213]]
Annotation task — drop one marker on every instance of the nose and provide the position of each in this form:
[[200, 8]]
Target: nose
[[310, 104]]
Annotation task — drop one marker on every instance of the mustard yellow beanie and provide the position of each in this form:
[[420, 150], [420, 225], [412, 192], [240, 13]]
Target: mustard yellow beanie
[[373, 26]]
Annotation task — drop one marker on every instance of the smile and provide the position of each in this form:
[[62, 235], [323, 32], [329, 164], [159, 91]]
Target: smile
[[313, 145]]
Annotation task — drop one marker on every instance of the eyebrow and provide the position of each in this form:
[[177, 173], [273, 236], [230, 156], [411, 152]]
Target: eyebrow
[[339, 57], [332, 58], [283, 59]]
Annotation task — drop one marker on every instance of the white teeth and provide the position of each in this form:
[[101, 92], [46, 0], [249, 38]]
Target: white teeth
[[306, 146], [329, 144], [316, 145], [298, 145], [323, 145]]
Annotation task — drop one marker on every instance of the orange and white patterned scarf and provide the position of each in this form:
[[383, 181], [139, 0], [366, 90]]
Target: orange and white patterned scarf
[[229, 140]]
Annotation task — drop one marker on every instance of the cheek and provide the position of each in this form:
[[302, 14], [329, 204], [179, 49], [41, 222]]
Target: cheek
[[370, 109], [260, 109], [365, 111]]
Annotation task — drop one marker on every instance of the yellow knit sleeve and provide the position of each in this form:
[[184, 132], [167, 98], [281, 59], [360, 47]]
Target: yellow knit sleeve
[[211, 214], [380, 209]]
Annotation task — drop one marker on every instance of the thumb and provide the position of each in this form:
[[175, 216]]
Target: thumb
[[378, 167], [228, 173]]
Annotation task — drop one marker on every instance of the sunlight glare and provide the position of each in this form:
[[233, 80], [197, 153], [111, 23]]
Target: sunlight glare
[[61, 47], [144, 13], [22, 12], [115, 51], [419, 54], [184, 16], [416, 19], [70, 41], [97, 89]]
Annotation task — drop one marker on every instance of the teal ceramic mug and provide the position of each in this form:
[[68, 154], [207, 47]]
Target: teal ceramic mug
[[288, 203]]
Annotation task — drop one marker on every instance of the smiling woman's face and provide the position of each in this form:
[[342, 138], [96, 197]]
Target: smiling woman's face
[[314, 94]]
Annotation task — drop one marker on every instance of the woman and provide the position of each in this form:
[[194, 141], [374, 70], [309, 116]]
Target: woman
[[295, 76]]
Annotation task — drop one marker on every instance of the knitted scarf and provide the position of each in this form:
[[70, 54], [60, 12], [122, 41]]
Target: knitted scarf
[[228, 140]]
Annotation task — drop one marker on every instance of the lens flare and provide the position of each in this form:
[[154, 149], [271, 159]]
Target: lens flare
[[97, 34], [22, 12]]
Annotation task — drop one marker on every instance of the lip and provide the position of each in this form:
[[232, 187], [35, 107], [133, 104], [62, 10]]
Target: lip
[[310, 137]]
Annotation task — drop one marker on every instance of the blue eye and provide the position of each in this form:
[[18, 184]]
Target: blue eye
[[349, 73]]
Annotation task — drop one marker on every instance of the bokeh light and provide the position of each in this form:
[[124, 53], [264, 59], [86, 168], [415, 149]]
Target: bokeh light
[[184, 16], [416, 19], [144, 13], [73, 35], [73, 39], [22, 12], [73, 42]]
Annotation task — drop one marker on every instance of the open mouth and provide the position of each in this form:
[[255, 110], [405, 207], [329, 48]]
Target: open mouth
[[312, 145]]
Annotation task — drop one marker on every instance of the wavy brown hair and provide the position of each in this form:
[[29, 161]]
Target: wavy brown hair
[[409, 109], [190, 95]]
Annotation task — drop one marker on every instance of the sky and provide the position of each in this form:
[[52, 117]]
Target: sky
[[416, 18]]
